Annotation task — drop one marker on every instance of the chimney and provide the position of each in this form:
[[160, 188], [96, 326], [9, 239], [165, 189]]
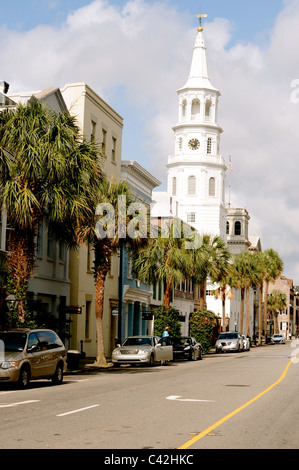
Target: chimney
[[4, 86]]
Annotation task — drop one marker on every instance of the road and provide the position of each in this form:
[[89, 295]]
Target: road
[[230, 401]]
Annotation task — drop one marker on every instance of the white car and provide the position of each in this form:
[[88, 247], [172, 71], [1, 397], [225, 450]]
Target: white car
[[246, 342], [229, 341], [277, 339], [142, 350]]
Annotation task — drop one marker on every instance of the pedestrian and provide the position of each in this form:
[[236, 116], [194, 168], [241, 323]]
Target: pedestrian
[[166, 332]]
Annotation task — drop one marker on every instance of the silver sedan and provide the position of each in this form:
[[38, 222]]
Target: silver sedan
[[142, 350]]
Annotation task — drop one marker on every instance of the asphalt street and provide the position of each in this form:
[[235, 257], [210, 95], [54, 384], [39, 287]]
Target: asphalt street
[[247, 400]]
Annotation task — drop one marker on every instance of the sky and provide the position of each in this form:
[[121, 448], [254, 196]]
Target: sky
[[136, 54]]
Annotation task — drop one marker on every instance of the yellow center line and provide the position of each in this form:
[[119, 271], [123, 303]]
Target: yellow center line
[[233, 413]]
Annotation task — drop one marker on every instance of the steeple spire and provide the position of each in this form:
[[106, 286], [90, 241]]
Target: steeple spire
[[199, 76]]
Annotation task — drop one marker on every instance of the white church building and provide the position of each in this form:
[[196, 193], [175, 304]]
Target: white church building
[[196, 174]]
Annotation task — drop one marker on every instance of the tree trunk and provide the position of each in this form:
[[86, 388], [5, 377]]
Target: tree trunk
[[266, 310], [222, 294], [20, 265], [167, 293], [242, 310], [99, 308], [260, 314], [247, 312]]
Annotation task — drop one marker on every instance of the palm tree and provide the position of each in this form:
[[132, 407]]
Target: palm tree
[[209, 260], [163, 260], [46, 172], [244, 274], [277, 302], [107, 234], [273, 269]]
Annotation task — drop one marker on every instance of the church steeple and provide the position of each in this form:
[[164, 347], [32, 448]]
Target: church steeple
[[199, 77], [196, 170]]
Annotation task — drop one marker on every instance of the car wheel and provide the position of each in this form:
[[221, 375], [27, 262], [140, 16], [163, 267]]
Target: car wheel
[[57, 378], [151, 361], [200, 355], [24, 377]]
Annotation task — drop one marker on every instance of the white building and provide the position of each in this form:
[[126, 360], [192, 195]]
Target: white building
[[196, 170]]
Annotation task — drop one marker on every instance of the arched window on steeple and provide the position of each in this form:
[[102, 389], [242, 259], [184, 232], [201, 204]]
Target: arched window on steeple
[[227, 227], [174, 186], [212, 187], [195, 109], [238, 228], [208, 108], [191, 186], [184, 109]]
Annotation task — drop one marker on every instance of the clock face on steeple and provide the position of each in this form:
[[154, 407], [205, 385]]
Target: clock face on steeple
[[194, 144]]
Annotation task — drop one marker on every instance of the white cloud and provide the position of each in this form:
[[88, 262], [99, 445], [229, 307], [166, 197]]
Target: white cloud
[[145, 50]]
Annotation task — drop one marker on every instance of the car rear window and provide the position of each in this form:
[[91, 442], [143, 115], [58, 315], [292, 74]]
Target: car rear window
[[48, 339]]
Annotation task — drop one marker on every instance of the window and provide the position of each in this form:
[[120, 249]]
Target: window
[[191, 217], [237, 228], [104, 137], [195, 110], [227, 228], [113, 149], [208, 108], [39, 242], [50, 246], [212, 187], [191, 186], [87, 318], [180, 143], [184, 108], [174, 186], [93, 132], [209, 145]]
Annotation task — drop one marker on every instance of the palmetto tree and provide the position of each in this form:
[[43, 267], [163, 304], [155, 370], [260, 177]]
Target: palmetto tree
[[209, 260], [277, 302], [46, 172], [163, 260], [243, 274], [107, 230], [273, 269]]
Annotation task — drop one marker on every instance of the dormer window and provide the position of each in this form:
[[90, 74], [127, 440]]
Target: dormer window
[[191, 186]]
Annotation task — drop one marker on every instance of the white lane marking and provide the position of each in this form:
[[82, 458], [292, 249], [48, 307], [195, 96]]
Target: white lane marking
[[77, 411], [19, 403], [178, 398]]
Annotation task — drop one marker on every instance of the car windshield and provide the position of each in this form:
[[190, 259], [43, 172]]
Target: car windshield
[[138, 341], [13, 341], [181, 341], [228, 336]]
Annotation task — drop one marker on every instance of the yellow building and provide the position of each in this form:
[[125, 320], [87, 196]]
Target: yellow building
[[100, 123]]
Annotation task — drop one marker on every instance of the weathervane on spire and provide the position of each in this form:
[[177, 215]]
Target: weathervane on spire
[[200, 20]]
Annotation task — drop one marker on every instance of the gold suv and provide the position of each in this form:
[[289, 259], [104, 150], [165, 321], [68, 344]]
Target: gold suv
[[31, 354]]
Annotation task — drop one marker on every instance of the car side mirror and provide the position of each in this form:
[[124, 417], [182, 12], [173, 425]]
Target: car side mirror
[[32, 349]]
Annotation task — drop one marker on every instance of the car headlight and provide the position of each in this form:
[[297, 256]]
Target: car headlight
[[9, 364], [116, 351], [187, 348]]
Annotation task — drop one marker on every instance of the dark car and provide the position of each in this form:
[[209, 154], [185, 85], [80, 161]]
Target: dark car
[[186, 347]]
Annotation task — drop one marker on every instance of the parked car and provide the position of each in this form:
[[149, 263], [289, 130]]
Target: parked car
[[31, 354], [246, 343], [277, 339], [229, 341], [142, 350], [186, 347]]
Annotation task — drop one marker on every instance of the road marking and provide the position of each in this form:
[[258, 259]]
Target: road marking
[[77, 411], [19, 403], [178, 398], [233, 413]]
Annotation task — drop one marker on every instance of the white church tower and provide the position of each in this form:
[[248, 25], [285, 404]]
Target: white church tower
[[196, 171]]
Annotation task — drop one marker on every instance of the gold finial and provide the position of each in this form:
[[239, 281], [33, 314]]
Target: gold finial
[[200, 29]]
